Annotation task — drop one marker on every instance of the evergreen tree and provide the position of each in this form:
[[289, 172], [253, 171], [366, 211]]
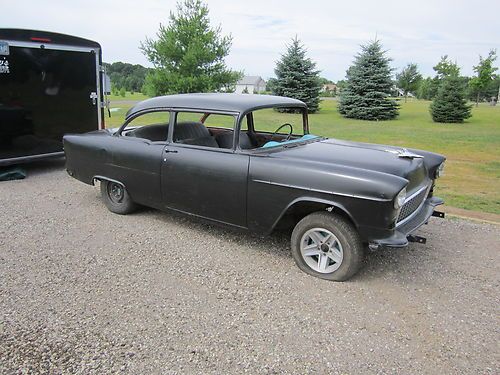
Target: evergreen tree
[[188, 55], [450, 104], [271, 84], [368, 86], [296, 76], [444, 68]]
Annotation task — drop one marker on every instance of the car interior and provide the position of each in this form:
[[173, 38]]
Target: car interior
[[199, 133]]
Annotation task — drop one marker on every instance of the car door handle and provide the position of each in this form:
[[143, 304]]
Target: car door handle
[[171, 151]]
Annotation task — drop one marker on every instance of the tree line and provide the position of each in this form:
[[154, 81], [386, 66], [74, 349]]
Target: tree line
[[188, 56], [482, 87], [126, 77]]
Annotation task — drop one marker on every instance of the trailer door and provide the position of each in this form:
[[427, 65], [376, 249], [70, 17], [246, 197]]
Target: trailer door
[[46, 91]]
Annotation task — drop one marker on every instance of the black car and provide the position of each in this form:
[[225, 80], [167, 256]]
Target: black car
[[248, 161]]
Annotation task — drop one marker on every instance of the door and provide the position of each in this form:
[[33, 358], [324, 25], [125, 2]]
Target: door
[[204, 181], [136, 156], [45, 93], [136, 163]]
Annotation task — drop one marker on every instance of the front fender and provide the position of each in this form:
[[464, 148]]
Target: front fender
[[317, 204]]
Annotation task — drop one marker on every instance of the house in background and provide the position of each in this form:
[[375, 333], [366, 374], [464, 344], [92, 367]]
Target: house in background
[[250, 85], [400, 92], [329, 87]]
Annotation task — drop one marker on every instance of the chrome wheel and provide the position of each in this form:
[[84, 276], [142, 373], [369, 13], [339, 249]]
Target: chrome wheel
[[115, 192], [321, 250]]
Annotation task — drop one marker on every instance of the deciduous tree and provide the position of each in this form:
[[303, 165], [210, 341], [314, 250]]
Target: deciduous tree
[[485, 75], [446, 68], [408, 79]]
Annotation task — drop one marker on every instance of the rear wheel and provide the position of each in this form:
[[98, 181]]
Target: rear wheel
[[116, 198], [327, 246]]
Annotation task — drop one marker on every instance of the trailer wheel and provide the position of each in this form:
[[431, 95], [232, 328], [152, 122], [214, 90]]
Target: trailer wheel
[[116, 198]]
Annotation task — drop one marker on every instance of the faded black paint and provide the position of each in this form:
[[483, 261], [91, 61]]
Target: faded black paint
[[253, 189]]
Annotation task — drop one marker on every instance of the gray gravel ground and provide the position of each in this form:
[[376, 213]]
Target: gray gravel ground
[[85, 291]]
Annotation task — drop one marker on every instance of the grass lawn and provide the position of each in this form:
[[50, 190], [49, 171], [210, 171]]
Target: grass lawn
[[472, 173], [128, 96]]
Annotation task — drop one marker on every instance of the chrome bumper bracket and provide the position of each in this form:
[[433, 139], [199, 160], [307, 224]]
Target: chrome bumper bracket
[[418, 239], [438, 214]]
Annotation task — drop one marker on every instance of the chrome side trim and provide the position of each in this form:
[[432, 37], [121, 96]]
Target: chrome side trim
[[103, 178], [412, 215], [322, 191]]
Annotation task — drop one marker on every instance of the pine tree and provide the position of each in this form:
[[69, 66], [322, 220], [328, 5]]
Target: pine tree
[[368, 86], [188, 55], [450, 104], [296, 76]]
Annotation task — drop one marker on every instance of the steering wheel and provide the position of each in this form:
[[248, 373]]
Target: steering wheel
[[281, 127]]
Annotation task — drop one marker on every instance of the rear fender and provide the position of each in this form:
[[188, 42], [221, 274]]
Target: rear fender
[[103, 178]]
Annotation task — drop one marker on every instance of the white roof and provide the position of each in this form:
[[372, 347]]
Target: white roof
[[249, 80]]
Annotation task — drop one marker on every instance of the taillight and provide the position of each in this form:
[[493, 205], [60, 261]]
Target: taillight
[[43, 40]]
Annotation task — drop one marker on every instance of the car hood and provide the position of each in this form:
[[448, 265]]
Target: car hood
[[414, 165]]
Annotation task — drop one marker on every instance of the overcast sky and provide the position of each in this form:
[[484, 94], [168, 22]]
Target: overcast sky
[[412, 31]]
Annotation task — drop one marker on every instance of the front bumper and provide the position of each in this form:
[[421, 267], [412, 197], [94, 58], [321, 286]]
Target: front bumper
[[399, 236]]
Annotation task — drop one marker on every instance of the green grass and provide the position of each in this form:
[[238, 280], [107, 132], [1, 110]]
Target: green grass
[[472, 173], [128, 96]]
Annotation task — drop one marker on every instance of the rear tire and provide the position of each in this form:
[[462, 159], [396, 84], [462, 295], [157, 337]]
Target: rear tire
[[116, 198], [327, 246]]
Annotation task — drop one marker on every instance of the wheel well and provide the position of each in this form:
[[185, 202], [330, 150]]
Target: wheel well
[[301, 209], [102, 178]]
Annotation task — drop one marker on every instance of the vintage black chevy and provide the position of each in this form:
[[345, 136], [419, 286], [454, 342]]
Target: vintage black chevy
[[216, 156]]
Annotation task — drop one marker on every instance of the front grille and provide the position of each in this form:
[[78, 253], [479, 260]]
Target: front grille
[[412, 204]]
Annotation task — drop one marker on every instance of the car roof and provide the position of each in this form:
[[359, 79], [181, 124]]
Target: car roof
[[240, 103]]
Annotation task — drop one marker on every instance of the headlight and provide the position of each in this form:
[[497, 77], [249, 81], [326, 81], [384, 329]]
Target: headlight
[[439, 170], [400, 199]]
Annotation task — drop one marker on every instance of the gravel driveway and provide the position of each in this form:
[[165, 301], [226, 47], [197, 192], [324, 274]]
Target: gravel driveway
[[83, 290]]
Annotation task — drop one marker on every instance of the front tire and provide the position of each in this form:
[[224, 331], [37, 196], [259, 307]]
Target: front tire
[[327, 246], [116, 198]]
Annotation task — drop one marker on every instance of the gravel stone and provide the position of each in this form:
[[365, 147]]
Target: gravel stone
[[85, 291]]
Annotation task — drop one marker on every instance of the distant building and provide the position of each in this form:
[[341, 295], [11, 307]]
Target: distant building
[[329, 87], [400, 92], [250, 84]]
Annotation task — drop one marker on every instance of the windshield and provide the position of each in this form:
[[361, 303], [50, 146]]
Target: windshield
[[272, 127]]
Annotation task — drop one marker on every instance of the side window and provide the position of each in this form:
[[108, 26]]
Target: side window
[[219, 121], [152, 126], [204, 129]]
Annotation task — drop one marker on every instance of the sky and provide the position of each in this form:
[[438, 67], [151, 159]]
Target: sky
[[332, 31]]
